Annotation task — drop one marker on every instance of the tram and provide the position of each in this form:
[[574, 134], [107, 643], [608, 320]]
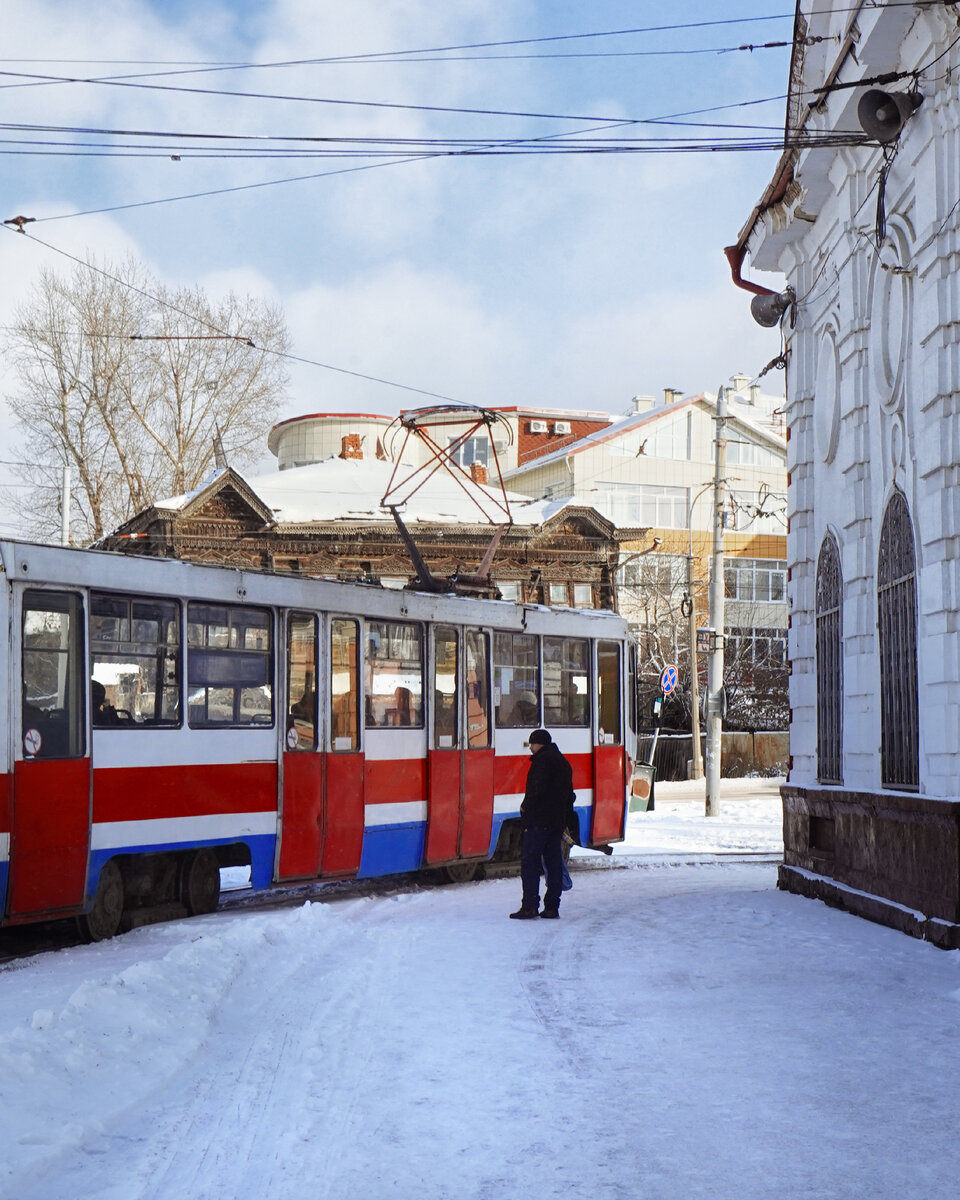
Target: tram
[[162, 720]]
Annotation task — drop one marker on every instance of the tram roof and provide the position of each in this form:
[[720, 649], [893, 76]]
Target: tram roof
[[40, 565]]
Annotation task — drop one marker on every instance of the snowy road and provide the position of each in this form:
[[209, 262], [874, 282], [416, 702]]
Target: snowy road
[[681, 1032]]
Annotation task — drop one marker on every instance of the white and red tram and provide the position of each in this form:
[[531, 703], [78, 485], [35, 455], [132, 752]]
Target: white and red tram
[[162, 720]]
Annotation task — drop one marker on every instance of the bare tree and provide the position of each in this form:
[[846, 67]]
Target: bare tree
[[755, 670], [128, 383]]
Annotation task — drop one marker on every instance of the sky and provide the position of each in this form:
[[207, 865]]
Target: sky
[[566, 280], [684, 1030]]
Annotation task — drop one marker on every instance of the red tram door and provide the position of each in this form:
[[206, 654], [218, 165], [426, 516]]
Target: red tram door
[[323, 798], [303, 767], [51, 776], [609, 760], [461, 760], [344, 795]]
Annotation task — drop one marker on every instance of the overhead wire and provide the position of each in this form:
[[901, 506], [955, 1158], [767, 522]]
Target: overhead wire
[[400, 56], [435, 148], [334, 101], [206, 193]]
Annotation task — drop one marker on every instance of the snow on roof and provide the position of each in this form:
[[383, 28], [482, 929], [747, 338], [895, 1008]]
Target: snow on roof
[[339, 489], [175, 503]]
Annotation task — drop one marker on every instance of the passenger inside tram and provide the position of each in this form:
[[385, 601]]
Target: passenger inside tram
[[402, 712], [305, 707], [526, 711], [103, 712]]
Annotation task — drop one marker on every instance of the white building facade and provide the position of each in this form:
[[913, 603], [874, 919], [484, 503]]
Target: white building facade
[[654, 469], [866, 229]]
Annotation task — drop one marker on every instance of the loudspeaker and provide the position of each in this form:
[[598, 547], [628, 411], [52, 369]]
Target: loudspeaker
[[882, 115], [767, 310]]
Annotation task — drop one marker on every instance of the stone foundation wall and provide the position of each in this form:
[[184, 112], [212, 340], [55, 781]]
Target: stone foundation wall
[[892, 847]]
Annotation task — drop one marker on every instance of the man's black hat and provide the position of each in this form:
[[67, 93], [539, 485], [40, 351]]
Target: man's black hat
[[539, 737]]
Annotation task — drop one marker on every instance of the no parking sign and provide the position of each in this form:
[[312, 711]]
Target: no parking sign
[[668, 679]]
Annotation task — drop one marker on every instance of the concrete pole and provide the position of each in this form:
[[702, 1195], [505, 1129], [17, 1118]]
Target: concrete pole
[[715, 668], [65, 508]]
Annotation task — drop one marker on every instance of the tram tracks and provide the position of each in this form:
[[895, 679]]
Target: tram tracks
[[20, 943]]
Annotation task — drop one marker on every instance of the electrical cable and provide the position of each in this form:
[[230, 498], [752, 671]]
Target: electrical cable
[[404, 55], [478, 150], [398, 56]]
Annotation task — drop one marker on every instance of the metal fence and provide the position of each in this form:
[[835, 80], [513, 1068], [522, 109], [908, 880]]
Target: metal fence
[[766, 752], [674, 751]]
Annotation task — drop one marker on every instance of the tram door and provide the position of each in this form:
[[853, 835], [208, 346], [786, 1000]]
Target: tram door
[[344, 794], [302, 830], [609, 761], [51, 778], [460, 761]]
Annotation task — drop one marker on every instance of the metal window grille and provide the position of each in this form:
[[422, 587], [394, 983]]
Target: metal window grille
[[829, 664], [897, 627]]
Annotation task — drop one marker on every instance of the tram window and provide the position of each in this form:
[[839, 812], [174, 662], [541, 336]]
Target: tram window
[[393, 674], [229, 666], [516, 680], [301, 682], [52, 696], [344, 684], [134, 661], [445, 645], [478, 690], [608, 692], [566, 674]]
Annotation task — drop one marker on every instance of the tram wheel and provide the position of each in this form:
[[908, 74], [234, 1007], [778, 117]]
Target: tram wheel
[[461, 872], [103, 920], [200, 882]]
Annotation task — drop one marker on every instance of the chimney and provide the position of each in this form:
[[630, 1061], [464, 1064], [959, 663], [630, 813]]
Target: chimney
[[642, 404], [754, 393], [739, 381], [478, 472], [351, 446], [671, 396]]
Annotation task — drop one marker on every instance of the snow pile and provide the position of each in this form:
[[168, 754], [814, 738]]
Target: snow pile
[[750, 821], [122, 1033]]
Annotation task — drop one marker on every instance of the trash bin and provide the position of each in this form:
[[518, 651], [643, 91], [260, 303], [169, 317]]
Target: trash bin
[[641, 787]]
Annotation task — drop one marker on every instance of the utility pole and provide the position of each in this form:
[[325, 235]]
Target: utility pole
[[715, 668]]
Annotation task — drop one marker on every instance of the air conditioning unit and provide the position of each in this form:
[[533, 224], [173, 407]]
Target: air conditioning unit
[[538, 427], [561, 427]]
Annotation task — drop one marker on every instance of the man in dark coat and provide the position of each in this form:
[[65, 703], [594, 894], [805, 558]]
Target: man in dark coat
[[544, 814]]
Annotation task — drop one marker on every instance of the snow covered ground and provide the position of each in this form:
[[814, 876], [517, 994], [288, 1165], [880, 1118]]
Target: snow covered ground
[[684, 1031]]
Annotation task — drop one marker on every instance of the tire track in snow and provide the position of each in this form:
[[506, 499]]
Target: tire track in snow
[[229, 1110]]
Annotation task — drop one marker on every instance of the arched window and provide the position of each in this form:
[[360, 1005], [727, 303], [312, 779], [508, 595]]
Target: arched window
[[897, 623], [829, 664]]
